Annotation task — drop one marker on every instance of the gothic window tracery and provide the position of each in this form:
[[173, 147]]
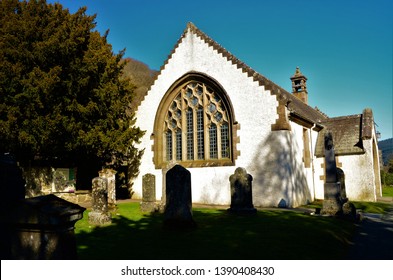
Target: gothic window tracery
[[197, 126]]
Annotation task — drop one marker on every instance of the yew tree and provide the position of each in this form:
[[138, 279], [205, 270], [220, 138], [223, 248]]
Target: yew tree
[[62, 95]]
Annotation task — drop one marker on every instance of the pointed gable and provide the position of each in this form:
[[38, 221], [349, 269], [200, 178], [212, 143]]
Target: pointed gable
[[294, 105]]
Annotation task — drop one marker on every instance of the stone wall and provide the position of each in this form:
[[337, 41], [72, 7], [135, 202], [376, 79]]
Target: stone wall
[[49, 180], [78, 197], [44, 180]]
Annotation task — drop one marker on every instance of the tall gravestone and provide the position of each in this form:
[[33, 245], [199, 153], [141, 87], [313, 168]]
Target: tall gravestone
[[241, 192], [110, 175], [148, 203], [178, 204], [332, 204], [99, 214]]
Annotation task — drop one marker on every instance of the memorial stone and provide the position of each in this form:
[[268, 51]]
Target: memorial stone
[[341, 180], [110, 175], [241, 192], [99, 214], [178, 205], [43, 228], [148, 203], [332, 204]]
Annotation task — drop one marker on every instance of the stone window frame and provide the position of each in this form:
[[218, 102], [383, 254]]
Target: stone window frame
[[159, 136]]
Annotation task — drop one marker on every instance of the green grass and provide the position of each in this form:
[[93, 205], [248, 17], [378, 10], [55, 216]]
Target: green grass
[[366, 207], [274, 234], [372, 207], [387, 191]]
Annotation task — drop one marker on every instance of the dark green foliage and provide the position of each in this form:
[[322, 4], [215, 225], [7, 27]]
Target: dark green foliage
[[386, 178], [62, 96], [387, 174], [386, 146]]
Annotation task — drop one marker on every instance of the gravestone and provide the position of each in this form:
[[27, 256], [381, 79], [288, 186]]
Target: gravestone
[[241, 192], [99, 214], [43, 228], [148, 203], [169, 165], [348, 208], [332, 204], [341, 180], [110, 175], [178, 204]]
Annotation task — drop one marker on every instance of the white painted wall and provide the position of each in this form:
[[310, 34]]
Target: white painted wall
[[274, 159], [361, 174]]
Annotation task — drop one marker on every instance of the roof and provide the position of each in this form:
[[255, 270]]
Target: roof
[[294, 105], [348, 133]]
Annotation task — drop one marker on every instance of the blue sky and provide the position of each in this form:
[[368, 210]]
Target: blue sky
[[344, 47]]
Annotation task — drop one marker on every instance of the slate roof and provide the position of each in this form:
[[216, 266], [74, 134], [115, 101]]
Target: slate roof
[[294, 105], [348, 133]]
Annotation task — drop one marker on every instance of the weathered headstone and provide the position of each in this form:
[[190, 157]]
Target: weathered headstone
[[148, 203], [169, 165], [110, 175], [348, 208], [99, 214], [349, 211], [341, 180], [332, 204], [241, 192], [178, 205], [43, 228]]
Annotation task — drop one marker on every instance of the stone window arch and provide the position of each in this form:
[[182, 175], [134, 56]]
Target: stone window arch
[[195, 125]]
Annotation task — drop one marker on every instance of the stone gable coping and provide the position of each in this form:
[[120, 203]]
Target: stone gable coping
[[293, 103], [367, 123]]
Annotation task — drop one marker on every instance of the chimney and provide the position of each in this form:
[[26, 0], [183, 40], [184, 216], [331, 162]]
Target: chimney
[[299, 86]]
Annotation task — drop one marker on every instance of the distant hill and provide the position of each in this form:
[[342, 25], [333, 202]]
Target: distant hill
[[141, 76], [386, 146]]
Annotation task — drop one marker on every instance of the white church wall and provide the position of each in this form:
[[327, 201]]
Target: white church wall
[[280, 178], [359, 175], [360, 181], [254, 109], [303, 181], [318, 169]]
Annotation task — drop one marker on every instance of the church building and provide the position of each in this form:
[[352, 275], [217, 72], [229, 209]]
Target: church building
[[211, 113]]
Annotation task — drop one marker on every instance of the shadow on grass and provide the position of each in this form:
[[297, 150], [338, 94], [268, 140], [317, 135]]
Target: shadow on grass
[[275, 234], [373, 241]]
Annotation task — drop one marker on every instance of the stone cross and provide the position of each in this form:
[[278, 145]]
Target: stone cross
[[178, 205], [241, 192], [332, 204], [100, 214], [148, 203], [330, 159]]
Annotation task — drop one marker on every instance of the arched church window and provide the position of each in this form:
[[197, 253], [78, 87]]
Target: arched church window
[[197, 127]]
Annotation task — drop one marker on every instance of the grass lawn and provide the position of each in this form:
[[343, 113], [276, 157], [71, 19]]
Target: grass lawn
[[387, 191], [366, 207], [270, 234]]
